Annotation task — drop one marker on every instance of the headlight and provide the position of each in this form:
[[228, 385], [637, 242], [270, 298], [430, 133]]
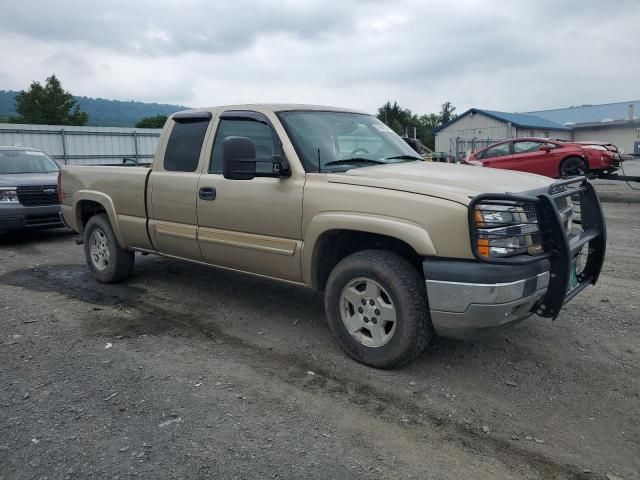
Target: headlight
[[8, 195], [506, 228]]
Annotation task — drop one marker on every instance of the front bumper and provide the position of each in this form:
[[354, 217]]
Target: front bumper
[[489, 298], [14, 217], [470, 298]]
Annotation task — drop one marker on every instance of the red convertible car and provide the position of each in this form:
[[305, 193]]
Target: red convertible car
[[553, 158]]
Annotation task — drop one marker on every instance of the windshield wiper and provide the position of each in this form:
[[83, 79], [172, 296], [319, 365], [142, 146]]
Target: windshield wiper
[[403, 157], [347, 161]]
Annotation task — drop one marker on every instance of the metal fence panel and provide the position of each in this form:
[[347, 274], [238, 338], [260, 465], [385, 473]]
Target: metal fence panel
[[83, 145]]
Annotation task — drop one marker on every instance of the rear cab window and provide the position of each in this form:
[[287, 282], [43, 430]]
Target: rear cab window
[[185, 142]]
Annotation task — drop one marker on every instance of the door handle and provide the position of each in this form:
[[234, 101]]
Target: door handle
[[207, 193]]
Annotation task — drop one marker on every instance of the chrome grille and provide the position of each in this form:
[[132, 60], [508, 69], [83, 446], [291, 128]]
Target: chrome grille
[[35, 195]]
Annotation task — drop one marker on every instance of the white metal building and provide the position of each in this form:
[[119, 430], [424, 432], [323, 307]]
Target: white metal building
[[618, 123]]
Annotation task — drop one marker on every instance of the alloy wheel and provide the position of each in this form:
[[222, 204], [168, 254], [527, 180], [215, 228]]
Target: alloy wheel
[[368, 312], [98, 249]]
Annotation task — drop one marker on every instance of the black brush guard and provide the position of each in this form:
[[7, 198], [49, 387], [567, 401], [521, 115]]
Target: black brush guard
[[560, 249]]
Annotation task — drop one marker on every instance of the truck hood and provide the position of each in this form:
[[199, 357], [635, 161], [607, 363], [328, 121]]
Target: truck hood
[[455, 182], [21, 179]]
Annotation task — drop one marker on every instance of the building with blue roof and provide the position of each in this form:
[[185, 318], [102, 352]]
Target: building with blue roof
[[617, 123], [578, 114]]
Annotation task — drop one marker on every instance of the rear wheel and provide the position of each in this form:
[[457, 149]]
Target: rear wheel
[[573, 166], [107, 260], [376, 305]]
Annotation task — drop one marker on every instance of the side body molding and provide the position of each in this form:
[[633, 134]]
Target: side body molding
[[411, 233]]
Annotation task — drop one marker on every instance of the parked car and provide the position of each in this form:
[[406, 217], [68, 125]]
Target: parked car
[[334, 200], [28, 189], [552, 158]]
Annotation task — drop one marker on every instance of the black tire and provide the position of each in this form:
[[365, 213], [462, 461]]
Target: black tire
[[573, 166], [120, 261], [407, 291]]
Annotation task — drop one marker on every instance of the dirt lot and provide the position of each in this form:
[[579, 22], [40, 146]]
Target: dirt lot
[[192, 372]]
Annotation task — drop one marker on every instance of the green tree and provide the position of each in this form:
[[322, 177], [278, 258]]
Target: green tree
[[447, 113], [427, 123], [401, 120], [152, 122], [397, 118], [49, 104]]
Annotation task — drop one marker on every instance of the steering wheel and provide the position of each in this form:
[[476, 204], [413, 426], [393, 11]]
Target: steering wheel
[[359, 150]]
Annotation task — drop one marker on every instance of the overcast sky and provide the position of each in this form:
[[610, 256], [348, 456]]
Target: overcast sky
[[502, 55]]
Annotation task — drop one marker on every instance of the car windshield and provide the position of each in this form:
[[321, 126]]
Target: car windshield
[[338, 141], [26, 161]]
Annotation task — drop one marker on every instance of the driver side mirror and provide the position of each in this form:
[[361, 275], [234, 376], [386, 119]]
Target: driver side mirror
[[545, 148], [238, 158]]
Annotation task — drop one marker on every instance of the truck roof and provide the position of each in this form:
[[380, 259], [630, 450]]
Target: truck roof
[[273, 107], [8, 147]]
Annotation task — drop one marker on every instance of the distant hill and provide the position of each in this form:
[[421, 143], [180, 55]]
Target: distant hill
[[102, 112]]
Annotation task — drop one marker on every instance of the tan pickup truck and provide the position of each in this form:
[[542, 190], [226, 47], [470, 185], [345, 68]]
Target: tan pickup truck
[[334, 200]]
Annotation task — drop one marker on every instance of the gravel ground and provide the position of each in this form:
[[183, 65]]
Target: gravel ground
[[193, 372]]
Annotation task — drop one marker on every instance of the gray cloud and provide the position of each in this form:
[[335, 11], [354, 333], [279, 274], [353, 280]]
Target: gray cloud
[[148, 27], [492, 54]]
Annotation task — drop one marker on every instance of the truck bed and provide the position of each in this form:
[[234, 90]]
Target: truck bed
[[123, 188]]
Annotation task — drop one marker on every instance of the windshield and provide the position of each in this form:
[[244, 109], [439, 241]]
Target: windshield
[[26, 161], [338, 141]]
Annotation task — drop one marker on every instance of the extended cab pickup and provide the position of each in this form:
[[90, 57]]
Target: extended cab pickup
[[334, 200]]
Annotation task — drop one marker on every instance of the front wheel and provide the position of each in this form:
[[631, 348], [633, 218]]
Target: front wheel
[[107, 260], [376, 305], [573, 166]]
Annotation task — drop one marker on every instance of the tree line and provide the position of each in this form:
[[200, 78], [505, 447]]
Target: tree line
[[50, 104], [405, 123]]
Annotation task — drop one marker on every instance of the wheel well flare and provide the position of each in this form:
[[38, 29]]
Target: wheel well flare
[[334, 245]]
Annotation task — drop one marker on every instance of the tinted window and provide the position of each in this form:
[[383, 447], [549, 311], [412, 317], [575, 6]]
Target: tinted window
[[261, 134], [26, 161], [185, 143], [497, 151], [526, 147]]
